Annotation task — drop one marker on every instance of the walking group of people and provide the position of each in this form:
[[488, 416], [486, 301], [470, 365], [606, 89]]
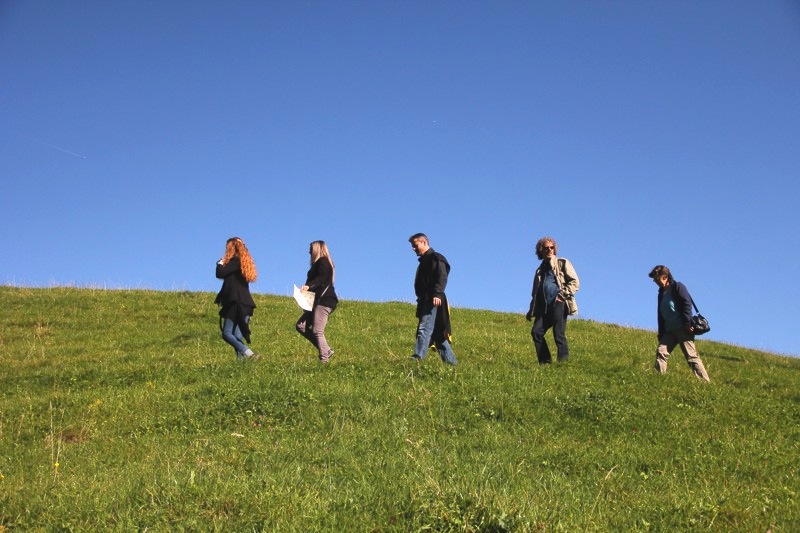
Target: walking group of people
[[555, 283], [237, 270]]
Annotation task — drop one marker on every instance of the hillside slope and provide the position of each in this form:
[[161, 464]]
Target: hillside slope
[[125, 410]]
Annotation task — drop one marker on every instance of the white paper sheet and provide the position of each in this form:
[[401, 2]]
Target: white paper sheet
[[305, 299]]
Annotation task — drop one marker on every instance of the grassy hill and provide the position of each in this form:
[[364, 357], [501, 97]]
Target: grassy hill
[[125, 410]]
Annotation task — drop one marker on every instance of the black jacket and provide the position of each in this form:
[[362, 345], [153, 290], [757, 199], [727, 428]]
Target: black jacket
[[683, 303], [234, 296], [431, 280], [320, 280]]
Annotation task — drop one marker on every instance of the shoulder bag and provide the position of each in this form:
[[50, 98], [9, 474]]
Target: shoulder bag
[[699, 322]]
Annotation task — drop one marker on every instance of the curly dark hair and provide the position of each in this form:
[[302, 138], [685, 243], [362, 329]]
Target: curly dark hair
[[541, 253]]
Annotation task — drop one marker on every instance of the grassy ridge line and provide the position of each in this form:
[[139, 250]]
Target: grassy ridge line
[[153, 425]]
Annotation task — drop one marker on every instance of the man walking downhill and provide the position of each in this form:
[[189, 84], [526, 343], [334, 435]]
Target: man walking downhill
[[432, 309]]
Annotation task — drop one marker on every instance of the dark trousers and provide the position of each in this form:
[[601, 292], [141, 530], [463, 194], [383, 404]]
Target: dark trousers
[[556, 318]]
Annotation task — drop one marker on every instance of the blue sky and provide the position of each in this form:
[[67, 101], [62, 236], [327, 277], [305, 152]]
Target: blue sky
[[137, 136]]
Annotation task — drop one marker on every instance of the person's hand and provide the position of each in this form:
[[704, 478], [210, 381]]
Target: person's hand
[[304, 288], [437, 302], [689, 328], [528, 316]]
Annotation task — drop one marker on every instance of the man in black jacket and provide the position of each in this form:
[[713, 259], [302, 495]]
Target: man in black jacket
[[432, 309], [675, 322]]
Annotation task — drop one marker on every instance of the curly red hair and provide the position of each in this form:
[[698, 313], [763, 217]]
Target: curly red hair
[[235, 246]]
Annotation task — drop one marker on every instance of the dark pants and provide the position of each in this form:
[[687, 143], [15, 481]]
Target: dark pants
[[556, 318]]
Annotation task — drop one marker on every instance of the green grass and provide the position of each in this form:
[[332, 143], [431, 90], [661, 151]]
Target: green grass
[[125, 410]]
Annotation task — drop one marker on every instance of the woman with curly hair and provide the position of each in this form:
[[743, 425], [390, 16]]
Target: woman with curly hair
[[237, 270], [319, 279]]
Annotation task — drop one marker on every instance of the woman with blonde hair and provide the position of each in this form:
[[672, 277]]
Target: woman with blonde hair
[[237, 270], [319, 280]]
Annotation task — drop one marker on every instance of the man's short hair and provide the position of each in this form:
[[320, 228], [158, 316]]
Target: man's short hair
[[418, 236]]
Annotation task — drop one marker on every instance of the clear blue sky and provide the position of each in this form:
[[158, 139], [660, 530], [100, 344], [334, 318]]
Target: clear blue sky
[[137, 136]]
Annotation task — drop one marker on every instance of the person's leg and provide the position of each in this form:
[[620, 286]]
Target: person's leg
[[321, 314], [666, 343], [304, 327], [686, 342], [233, 336], [248, 353], [538, 330], [446, 352], [228, 326], [424, 333], [560, 330]]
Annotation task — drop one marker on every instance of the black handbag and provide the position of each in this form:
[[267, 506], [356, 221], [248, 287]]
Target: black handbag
[[699, 322]]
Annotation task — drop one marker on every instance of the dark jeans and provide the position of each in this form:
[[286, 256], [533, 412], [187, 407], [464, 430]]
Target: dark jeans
[[556, 318]]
